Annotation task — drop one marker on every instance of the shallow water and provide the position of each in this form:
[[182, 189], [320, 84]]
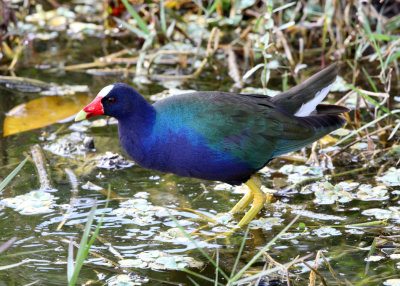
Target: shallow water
[[131, 228]]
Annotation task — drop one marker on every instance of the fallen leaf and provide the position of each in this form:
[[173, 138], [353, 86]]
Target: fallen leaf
[[42, 112], [327, 140]]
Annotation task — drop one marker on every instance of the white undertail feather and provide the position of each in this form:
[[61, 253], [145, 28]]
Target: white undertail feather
[[308, 107], [105, 90]]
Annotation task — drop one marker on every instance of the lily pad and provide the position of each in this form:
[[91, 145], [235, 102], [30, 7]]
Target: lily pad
[[392, 282], [142, 212], [391, 213], [174, 234], [265, 223], [327, 231], [297, 173], [326, 194], [369, 193], [391, 177], [127, 280], [132, 263], [156, 259], [34, 202], [374, 258]]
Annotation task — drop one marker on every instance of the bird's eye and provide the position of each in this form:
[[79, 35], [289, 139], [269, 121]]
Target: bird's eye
[[111, 100]]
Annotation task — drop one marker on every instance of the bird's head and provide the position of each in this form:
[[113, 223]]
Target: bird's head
[[117, 100]]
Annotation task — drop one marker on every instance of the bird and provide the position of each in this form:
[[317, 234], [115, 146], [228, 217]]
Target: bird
[[220, 136]]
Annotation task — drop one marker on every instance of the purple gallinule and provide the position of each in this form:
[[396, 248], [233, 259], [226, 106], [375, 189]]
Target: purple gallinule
[[220, 136]]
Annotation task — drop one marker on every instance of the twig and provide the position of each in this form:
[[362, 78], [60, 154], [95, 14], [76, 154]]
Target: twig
[[317, 273], [360, 139], [39, 161], [74, 189], [105, 72], [7, 244], [284, 268], [313, 275], [94, 64], [286, 47], [233, 68], [210, 50], [272, 270], [16, 57], [24, 81], [202, 194], [167, 52], [330, 269]]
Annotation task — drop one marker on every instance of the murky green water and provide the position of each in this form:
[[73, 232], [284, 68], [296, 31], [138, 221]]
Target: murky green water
[[127, 233]]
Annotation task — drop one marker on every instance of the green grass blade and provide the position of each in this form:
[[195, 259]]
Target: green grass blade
[[131, 28], [394, 24], [4, 183], [5, 267], [392, 57], [197, 246], [367, 97], [199, 275], [136, 16], [70, 262], [83, 251], [367, 29], [383, 37], [265, 273], [213, 7], [162, 17], [369, 80], [261, 252], [216, 270], [200, 5], [194, 282], [96, 231], [24, 253], [367, 125], [240, 251], [371, 251]]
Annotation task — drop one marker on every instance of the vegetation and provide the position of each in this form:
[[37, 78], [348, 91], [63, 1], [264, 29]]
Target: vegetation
[[335, 217]]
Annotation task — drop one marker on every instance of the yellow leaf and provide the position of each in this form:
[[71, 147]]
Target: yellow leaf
[[327, 140], [175, 3], [42, 112]]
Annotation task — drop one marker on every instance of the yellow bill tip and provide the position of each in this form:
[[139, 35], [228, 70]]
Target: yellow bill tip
[[81, 115]]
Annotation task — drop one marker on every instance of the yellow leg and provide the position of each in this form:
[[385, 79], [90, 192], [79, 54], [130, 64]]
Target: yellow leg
[[244, 202], [254, 185]]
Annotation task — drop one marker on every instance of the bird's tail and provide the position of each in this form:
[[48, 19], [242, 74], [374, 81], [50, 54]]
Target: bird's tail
[[303, 99], [322, 124]]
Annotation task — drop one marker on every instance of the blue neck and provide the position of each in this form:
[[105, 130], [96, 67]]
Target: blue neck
[[134, 128]]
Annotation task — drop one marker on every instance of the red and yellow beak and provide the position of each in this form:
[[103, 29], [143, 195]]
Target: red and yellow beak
[[92, 109]]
